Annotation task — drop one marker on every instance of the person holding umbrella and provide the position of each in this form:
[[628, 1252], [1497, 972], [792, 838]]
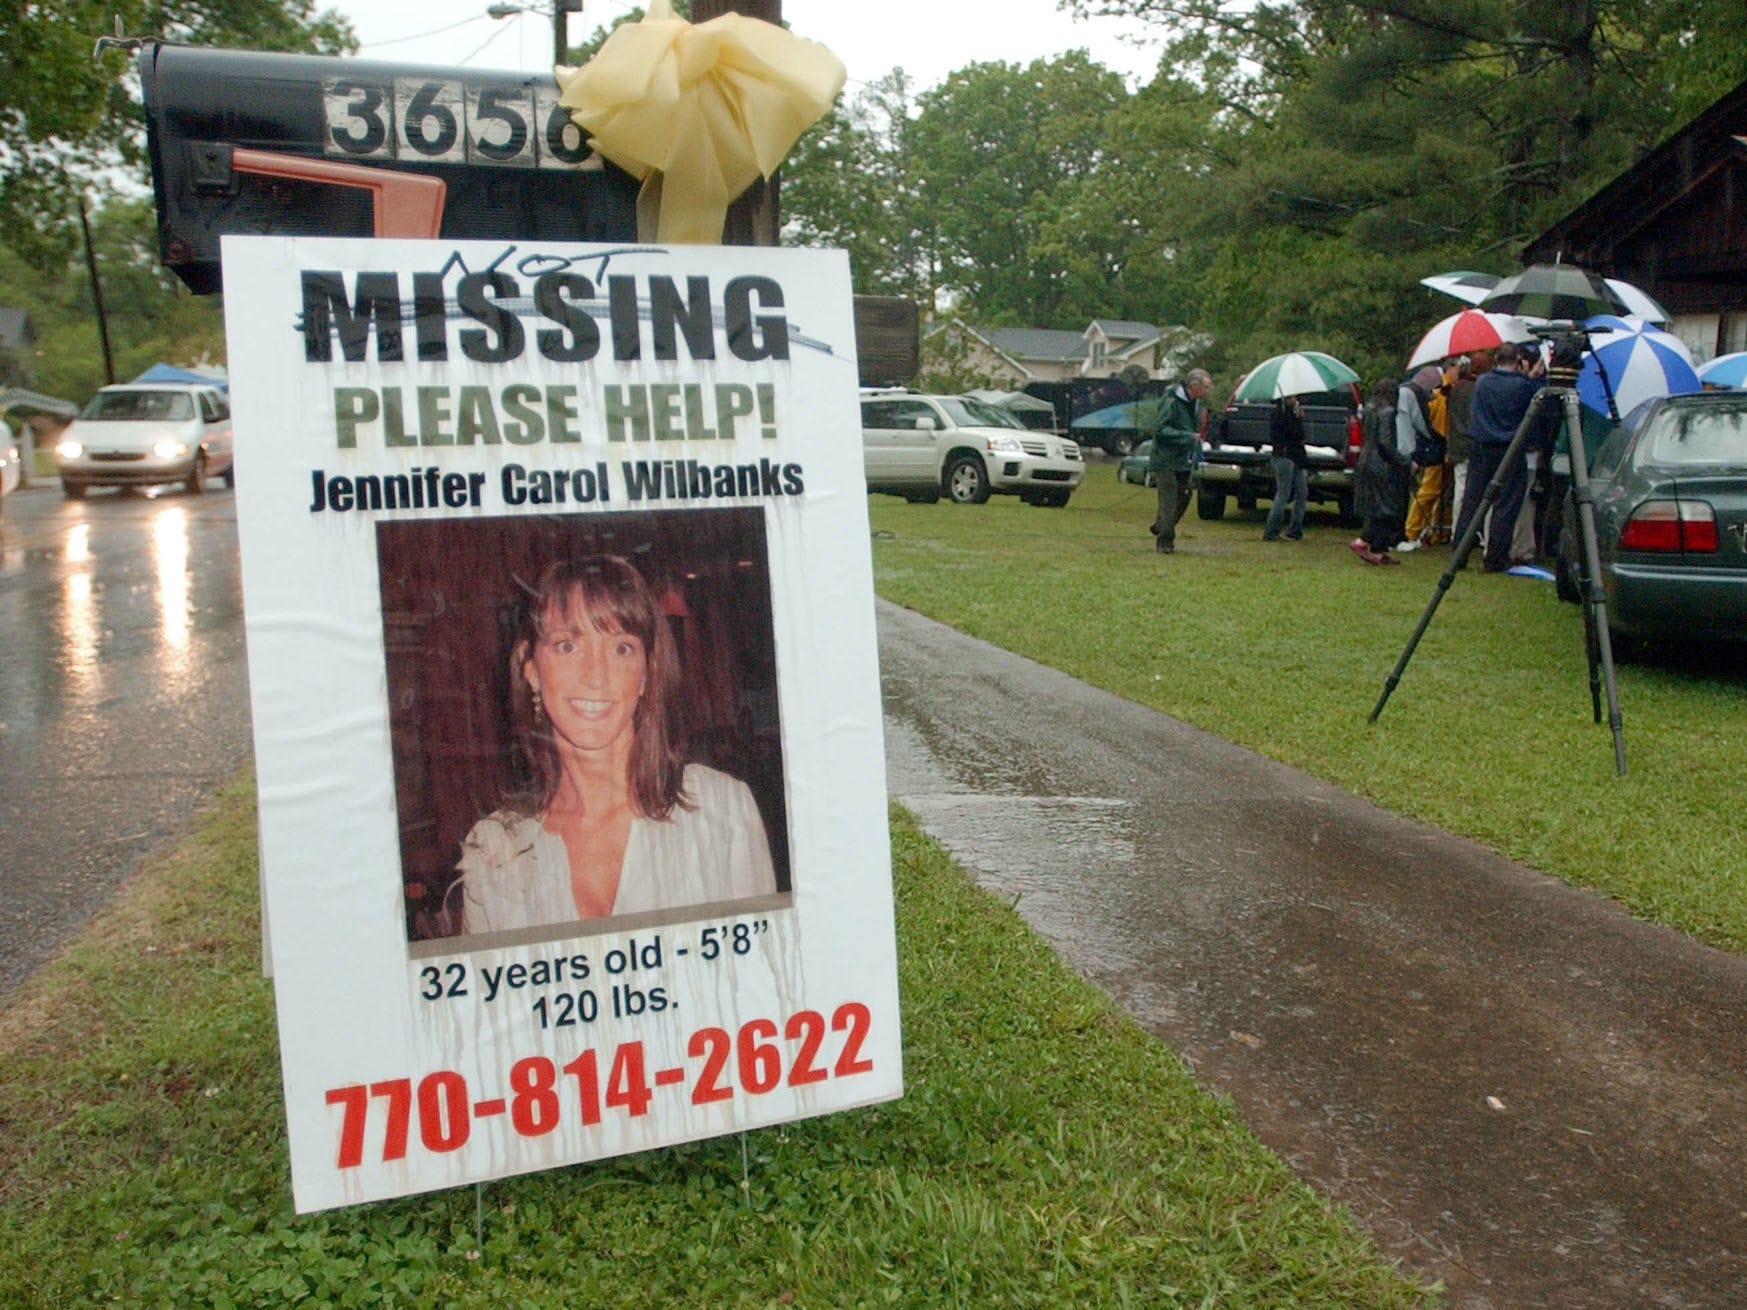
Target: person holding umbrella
[[1459, 416], [1381, 476], [1174, 437], [1291, 471], [1430, 389], [1501, 399]]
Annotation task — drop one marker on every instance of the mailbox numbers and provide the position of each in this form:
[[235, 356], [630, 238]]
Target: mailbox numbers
[[502, 124]]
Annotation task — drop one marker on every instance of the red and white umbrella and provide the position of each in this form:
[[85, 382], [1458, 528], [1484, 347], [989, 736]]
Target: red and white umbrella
[[1459, 334]]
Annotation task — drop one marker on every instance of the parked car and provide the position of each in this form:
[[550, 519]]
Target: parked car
[[920, 446], [11, 471], [140, 433], [1670, 489], [1235, 455], [1134, 466]]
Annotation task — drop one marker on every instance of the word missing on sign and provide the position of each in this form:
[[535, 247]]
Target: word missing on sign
[[495, 303]]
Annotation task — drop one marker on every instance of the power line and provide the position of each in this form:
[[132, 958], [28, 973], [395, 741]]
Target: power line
[[420, 36], [502, 28]]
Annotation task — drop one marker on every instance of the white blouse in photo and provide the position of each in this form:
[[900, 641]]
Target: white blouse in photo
[[516, 874]]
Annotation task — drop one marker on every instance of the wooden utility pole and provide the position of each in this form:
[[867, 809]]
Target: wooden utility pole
[[561, 11], [97, 294], [753, 219]]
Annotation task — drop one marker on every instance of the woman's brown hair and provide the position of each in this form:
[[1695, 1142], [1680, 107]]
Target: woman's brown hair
[[609, 594]]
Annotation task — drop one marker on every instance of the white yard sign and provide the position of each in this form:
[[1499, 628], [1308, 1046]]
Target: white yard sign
[[566, 700]]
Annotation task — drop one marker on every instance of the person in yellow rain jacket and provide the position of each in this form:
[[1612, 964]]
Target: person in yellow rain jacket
[[1428, 518]]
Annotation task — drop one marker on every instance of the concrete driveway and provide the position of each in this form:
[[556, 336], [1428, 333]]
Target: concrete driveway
[[1510, 1083]]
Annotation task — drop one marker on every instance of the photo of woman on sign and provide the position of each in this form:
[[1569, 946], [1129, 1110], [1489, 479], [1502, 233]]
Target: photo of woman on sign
[[616, 820]]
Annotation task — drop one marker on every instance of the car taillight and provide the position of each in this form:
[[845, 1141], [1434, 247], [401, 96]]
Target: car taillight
[[1671, 526], [1355, 440]]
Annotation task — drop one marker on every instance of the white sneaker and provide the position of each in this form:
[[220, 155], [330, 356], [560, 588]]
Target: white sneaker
[[1406, 546]]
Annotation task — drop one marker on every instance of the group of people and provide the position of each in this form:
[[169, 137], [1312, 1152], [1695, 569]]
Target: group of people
[[1432, 443]]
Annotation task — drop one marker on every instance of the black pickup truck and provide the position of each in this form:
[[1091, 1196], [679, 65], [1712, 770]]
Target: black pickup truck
[[1235, 453]]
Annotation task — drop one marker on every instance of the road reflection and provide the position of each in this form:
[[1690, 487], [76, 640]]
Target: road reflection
[[170, 554], [122, 694], [79, 662]]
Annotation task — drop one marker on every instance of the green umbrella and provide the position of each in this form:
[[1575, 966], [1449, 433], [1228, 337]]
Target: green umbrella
[[1553, 291], [1296, 374]]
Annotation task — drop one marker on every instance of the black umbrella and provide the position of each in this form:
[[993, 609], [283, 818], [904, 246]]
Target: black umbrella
[[1553, 291]]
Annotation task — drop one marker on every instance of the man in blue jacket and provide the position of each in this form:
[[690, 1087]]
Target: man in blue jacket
[[1501, 399], [1173, 456]]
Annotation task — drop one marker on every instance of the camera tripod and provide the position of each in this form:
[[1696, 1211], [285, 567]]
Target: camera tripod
[[1568, 348]]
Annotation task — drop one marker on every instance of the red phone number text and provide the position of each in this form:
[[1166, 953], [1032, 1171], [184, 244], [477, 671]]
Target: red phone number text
[[750, 1060]]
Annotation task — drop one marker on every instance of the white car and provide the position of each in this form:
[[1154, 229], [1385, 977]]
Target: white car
[[138, 433], [10, 468], [918, 446]]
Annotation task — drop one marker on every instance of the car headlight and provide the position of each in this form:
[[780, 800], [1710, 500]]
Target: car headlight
[[69, 450], [1006, 446], [170, 449]]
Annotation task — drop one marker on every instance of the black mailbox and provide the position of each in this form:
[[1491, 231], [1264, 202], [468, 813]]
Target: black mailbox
[[304, 145]]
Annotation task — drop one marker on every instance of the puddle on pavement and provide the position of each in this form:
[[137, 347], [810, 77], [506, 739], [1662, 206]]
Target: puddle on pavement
[[1036, 851]]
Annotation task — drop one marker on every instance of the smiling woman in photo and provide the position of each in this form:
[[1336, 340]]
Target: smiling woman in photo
[[614, 821]]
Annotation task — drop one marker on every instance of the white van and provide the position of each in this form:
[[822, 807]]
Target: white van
[[139, 433]]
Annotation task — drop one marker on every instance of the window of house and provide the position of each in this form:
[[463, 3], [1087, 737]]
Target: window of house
[[1699, 332], [1733, 337]]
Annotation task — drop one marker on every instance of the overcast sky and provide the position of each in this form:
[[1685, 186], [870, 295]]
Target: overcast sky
[[929, 38]]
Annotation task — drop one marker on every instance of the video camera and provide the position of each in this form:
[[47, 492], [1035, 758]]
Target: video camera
[[1568, 342]]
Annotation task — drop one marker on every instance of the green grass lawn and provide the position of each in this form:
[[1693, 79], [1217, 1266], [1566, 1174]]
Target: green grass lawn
[[1284, 648], [1047, 1151]]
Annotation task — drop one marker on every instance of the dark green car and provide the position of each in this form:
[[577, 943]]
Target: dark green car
[[1134, 466], [1670, 488]]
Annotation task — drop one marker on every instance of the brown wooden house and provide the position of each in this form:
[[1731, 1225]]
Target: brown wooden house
[[1675, 224]]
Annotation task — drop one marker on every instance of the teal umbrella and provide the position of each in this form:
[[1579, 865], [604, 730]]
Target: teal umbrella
[[1296, 374]]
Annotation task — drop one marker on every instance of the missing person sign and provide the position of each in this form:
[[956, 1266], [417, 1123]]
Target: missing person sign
[[566, 704]]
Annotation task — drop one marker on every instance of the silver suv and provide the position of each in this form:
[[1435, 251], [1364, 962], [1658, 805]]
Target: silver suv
[[918, 446], [139, 433]]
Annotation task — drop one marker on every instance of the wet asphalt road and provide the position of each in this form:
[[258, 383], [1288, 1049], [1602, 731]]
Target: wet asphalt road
[[123, 695], [1512, 1085]]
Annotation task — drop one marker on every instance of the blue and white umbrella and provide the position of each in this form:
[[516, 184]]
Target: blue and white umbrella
[[1725, 371], [1611, 323], [1639, 303], [1640, 362]]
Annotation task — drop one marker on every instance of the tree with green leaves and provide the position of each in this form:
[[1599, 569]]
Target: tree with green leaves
[[1006, 150], [153, 316], [71, 125], [1355, 145], [72, 136], [853, 181]]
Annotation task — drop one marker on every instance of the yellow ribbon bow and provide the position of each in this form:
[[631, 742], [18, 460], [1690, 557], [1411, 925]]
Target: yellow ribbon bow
[[697, 113]]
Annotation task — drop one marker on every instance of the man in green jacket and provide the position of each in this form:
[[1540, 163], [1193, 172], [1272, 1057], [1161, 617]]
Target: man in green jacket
[[1174, 441]]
